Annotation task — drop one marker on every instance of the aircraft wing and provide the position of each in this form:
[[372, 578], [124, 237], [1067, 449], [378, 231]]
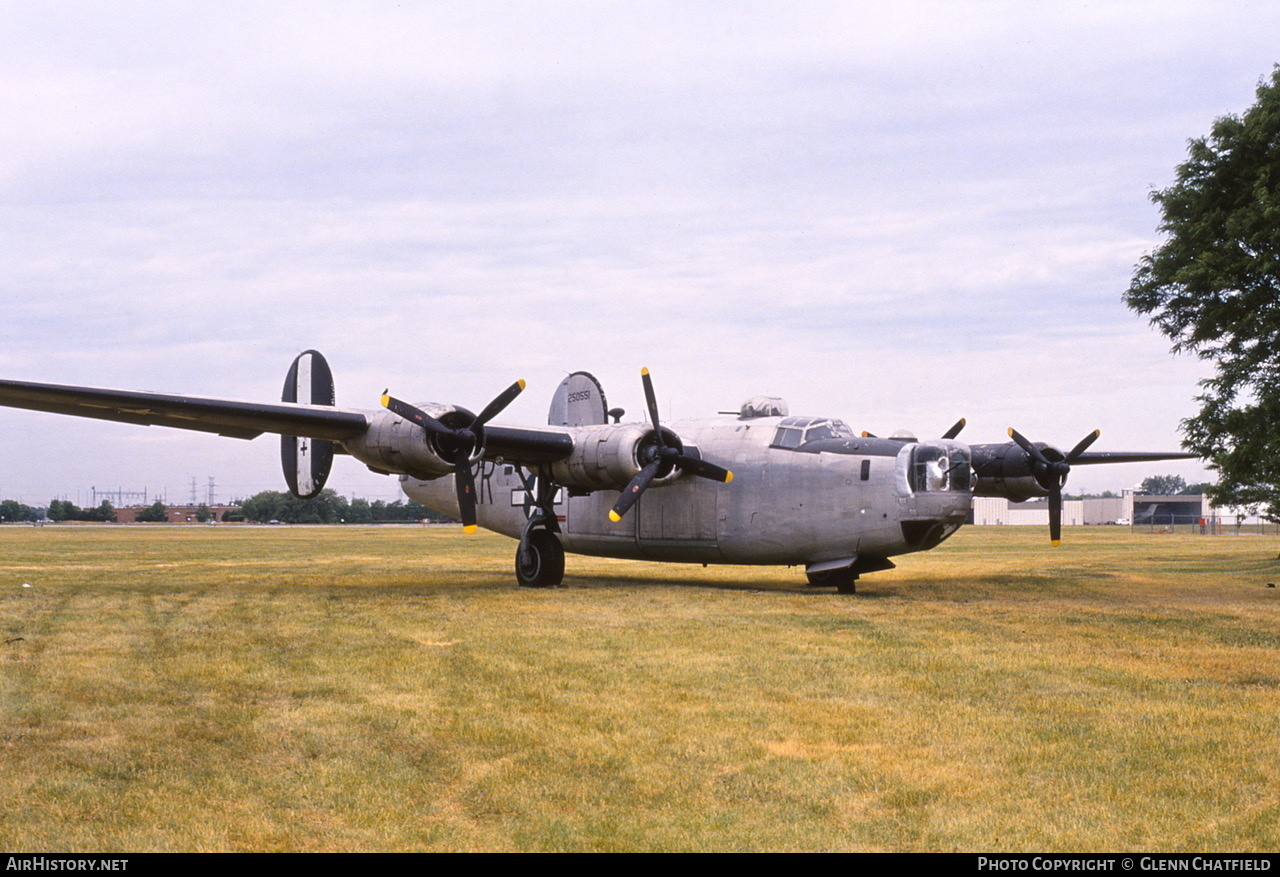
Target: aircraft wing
[[243, 420], [1129, 457]]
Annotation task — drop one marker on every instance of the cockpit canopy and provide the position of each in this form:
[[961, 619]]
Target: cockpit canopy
[[796, 431]]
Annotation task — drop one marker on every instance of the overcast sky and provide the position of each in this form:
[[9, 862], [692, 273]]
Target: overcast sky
[[895, 213]]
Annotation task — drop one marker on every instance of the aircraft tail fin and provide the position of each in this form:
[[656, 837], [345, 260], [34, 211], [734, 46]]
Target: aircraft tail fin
[[579, 401], [306, 461]]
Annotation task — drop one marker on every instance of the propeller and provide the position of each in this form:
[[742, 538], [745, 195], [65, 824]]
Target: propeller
[[1052, 474], [658, 454], [462, 437]]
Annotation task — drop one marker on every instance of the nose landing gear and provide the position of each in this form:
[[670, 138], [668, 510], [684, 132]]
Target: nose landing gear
[[843, 580]]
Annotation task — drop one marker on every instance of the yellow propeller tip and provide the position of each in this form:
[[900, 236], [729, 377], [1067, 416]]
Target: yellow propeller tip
[[728, 476], [386, 401], [521, 384], [468, 528], [614, 516], [644, 371], [1009, 432], [1055, 543]]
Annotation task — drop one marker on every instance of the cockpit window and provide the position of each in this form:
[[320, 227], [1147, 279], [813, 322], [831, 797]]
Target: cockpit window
[[788, 437], [795, 431]]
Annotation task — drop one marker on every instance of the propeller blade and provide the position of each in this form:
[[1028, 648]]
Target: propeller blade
[[465, 482], [416, 415], [633, 490], [703, 469], [1055, 516], [955, 429], [1083, 446], [652, 401], [494, 408], [1031, 449]]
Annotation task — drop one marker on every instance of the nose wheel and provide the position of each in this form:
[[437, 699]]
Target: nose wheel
[[540, 560], [843, 580]]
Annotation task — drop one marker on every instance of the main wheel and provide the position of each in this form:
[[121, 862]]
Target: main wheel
[[540, 560]]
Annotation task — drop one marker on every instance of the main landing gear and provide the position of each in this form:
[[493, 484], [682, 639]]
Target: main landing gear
[[540, 557], [540, 560]]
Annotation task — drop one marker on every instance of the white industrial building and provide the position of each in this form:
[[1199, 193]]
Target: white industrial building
[[1130, 508], [996, 510]]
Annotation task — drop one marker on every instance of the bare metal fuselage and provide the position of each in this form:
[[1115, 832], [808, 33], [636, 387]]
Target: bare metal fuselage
[[855, 498]]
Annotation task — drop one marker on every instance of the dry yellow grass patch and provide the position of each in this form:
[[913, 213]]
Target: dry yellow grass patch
[[293, 688]]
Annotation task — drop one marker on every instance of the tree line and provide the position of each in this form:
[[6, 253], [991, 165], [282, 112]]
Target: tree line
[[269, 505], [330, 508], [12, 511]]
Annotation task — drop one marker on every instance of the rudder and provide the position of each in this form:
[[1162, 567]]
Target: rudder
[[307, 461], [579, 401]]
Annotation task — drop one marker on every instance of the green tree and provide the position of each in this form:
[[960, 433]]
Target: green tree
[[271, 505], [11, 510], [358, 512], [1163, 485], [1213, 287], [63, 510], [156, 513]]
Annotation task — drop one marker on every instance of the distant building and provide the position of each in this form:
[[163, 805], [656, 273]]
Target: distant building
[[178, 514], [1169, 510], [996, 510], [1136, 509]]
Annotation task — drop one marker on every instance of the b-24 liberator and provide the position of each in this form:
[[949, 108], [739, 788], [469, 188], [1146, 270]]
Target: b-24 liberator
[[758, 486]]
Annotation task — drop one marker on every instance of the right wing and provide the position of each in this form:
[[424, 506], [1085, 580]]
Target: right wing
[[244, 420]]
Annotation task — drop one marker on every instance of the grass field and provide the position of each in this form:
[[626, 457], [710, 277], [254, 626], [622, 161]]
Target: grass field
[[295, 688]]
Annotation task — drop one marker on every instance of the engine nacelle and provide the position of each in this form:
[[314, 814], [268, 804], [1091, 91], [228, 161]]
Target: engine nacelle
[[604, 457], [395, 445], [608, 456], [1006, 470]]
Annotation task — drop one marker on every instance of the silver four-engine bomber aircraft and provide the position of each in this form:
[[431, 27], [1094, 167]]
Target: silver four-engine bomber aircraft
[[761, 487]]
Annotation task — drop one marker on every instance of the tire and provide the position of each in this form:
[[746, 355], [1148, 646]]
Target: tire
[[540, 561]]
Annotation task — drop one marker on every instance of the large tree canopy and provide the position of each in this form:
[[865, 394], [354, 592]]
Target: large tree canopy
[[1213, 287]]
